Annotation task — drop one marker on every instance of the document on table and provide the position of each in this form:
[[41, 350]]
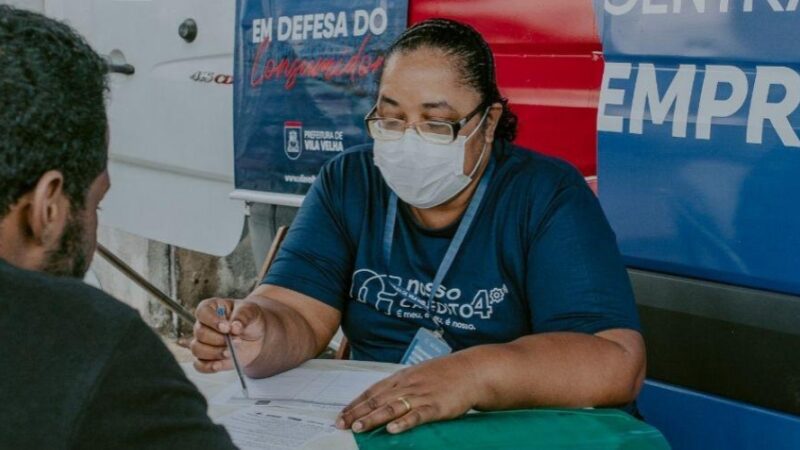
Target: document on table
[[267, 428], [307, 385]]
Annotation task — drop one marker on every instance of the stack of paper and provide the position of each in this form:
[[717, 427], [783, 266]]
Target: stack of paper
[[265, 428], [308, 385], [295, 409]]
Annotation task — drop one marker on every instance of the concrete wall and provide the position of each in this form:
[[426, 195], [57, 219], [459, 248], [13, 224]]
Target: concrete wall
[[184, 275], [188, 276], [150, 259]]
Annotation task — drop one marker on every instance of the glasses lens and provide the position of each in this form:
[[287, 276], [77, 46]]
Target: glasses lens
[[387, 129], [436, 132]]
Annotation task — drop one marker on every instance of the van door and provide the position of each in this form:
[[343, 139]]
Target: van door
[[170, 111]]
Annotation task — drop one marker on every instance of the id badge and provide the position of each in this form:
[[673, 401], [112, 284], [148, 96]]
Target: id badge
[[425, 345]]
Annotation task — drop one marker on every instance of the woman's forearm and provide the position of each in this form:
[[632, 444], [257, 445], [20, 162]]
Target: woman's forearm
[[559, 369], [289, 340]]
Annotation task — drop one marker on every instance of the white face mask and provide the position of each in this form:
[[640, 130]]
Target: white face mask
[[424, 174]]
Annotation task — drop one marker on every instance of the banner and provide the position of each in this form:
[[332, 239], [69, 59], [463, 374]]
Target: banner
[[305, 76], [698, 149]]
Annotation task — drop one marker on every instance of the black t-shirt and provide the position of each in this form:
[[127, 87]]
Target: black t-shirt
[[79, 369]]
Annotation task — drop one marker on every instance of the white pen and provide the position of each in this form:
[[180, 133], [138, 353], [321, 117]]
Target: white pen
[[221, 313]]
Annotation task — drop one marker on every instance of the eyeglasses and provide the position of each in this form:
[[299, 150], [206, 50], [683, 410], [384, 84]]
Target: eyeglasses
[[433, 131]]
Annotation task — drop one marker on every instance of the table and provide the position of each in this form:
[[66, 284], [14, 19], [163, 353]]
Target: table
[[596, 429]]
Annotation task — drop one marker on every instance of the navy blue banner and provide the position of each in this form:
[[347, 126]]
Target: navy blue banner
[[699, 137], [304, 77]]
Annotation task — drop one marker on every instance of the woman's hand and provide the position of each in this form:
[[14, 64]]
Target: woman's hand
[[245, 323], [439, 389]]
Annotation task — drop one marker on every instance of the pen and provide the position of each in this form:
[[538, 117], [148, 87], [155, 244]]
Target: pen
[[221, 313]]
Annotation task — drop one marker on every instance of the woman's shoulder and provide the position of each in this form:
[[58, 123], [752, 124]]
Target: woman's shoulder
[[355, 156], [538, 171], [352, 174], [353, 163]]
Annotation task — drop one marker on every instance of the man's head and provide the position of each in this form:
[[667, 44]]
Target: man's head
[[53, 144]]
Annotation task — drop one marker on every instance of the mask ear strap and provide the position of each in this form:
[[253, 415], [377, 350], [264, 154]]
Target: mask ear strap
[[480, 124], [480, 160], [485, 144]]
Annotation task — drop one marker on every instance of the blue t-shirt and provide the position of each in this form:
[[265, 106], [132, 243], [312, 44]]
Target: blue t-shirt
[[539, 257]]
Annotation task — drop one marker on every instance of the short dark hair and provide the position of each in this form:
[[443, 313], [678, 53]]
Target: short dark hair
[[52, 107], [475, 62]]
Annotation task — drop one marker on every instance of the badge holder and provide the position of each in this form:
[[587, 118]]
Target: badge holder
[[426, 345]]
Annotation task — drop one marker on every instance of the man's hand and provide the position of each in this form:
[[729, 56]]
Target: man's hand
[[246, 324], [443, 388]]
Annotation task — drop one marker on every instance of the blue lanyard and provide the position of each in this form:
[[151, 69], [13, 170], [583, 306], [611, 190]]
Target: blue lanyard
[[455, 243]]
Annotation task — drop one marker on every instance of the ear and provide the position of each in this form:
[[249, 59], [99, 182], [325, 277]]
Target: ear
[[49, 209], [492, 120]]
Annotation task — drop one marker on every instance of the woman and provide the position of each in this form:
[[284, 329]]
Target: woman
[[532, 305]]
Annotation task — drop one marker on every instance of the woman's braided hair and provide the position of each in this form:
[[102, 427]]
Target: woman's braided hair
[[473, 58]]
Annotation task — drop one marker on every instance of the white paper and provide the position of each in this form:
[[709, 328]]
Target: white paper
[[265, 428], [322, 408], [308, 385]]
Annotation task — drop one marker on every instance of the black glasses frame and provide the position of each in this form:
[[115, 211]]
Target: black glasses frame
[[455, 126]]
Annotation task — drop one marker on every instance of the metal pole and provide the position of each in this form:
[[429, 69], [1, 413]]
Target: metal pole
[[144, 284]]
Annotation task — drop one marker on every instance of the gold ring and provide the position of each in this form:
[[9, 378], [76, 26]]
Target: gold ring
[[405, 402]]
